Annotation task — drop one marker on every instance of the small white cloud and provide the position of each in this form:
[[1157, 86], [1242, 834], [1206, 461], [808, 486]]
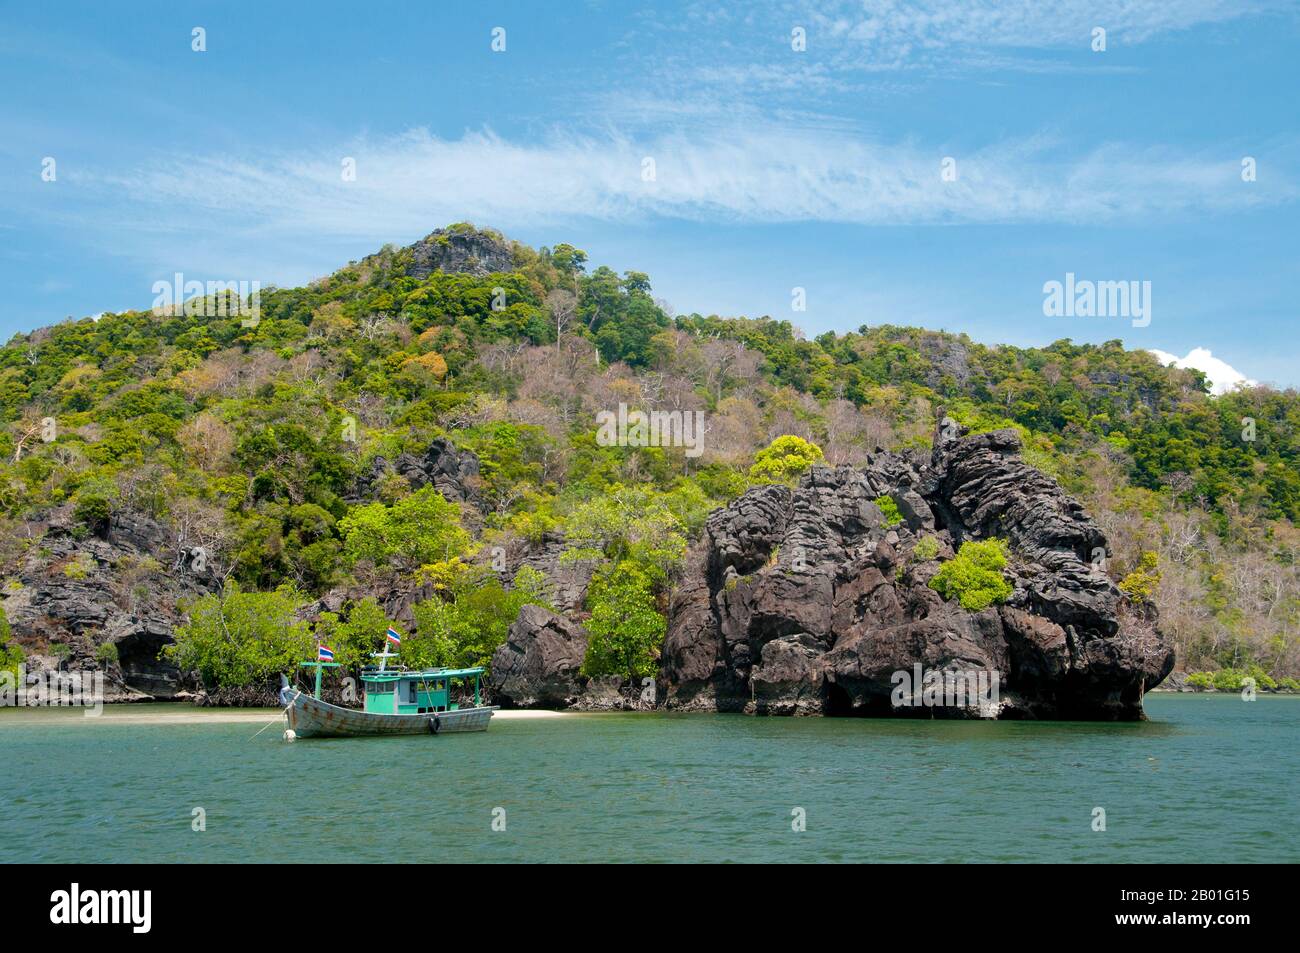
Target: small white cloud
[[1222, 376]]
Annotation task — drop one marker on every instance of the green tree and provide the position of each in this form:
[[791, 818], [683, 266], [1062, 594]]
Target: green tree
[[463, 627], [420, 529], [637, 523], [785, 459], [1140, 585], [236, 638], [354, 639], [625, 628], [568, 259], [93, 511], [11, 653]]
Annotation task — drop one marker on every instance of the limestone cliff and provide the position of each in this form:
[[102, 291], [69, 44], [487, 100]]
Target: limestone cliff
[[807, 601]]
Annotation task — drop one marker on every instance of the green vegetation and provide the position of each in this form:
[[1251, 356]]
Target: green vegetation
[[926, 548], [465, 628], [79, 567], [1140, 585], [887, 506], [236, 638], [1234, 680], [357, 634], [784, 460], [422, 529], [93, 511], [247, 440], [625, 626], [974, 576], [11, 654]]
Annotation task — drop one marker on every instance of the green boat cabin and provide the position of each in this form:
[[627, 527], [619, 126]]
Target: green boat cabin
[[397, 692]]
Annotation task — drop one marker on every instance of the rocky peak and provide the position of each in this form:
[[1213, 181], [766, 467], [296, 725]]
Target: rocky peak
[[461, 248]]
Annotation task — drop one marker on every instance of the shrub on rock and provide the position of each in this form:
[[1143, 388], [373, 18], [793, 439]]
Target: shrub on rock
[[974, 576], [785, 459]]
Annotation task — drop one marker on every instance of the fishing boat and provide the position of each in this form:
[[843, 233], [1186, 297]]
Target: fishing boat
[[398, 701]]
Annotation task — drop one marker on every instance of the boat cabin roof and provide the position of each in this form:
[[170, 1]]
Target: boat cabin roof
[[397, 674]]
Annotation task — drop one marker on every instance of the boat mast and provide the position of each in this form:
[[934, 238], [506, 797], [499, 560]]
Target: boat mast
[[318, 665], [384, 656]]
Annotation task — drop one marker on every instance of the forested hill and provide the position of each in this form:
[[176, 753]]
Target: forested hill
[[271, 441]]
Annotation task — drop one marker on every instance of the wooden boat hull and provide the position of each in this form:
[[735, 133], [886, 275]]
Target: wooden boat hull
[[309, 717]]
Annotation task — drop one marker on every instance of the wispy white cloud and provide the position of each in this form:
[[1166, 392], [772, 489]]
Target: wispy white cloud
[[747, 48], [900, 31], [741, 173]]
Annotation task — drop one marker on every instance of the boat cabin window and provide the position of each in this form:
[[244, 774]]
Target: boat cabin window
[[410, 692], [379, 688]]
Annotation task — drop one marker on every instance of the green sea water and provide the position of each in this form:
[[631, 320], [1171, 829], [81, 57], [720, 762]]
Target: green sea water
[[1208, 778]]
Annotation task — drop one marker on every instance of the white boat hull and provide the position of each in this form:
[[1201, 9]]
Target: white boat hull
[[309, 717]]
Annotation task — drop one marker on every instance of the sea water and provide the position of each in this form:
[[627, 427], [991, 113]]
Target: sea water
[[1207, 778]]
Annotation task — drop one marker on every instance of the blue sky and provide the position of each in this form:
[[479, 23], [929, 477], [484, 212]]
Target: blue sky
[[774, 168]]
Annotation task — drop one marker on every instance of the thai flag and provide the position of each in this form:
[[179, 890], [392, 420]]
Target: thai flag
[[393, 637], [324, 653]]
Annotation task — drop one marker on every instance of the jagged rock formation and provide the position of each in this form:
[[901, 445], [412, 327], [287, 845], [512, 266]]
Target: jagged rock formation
[[77, 592], [566, 580], [538, 666], [453, 472], [807, 601], [948, 357], [461, 249]]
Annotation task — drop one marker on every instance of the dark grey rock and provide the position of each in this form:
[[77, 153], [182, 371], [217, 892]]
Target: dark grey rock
[[452, 471], [461, 249], [804, 601], [538, 665], [83, 591], [567, 580]]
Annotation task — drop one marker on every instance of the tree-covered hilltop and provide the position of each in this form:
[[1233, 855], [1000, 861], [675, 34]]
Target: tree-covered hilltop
[[266, 461]]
